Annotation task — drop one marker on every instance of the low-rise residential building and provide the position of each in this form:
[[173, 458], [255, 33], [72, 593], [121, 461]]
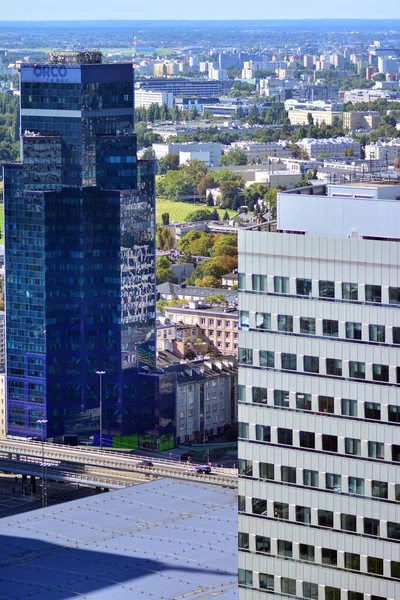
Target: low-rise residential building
[[356, 96], [385, 152], [191, 343], [230, 280], [203, 156], [360, 119], [192, 293], [145, 98], [341, 146], [206, 397], [219, 324], [250, 67], [278, 179], [213, 149], [256, 151], [166, 332], [182, 270], [327, 115]]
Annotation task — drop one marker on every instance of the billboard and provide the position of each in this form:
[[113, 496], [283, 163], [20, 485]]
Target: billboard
[[51, 74]]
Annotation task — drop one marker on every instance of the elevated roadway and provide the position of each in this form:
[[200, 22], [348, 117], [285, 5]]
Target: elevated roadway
[[93, 466]]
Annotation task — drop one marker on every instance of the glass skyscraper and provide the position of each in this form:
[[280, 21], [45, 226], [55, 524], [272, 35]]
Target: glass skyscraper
[[79, 253]]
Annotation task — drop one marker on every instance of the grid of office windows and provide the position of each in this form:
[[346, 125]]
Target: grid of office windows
[[322, 289], [321, 454]]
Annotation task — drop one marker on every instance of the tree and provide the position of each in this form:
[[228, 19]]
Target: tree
[[215, 215], [163, 262], [223, 175], [206, 183], [215, 299], [164, 272], [254, 115], [165, 239], [349, 152], [201, 214], [194, 171], [230, 194], [210, 200], [234, 157], [174, 184], [165, 218], [169, 162], [197, 243], [224, 244], [148, 154], [164, 275], [209, 281], [226, 216]]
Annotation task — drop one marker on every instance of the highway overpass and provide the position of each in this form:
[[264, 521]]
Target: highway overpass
[[92, 466]]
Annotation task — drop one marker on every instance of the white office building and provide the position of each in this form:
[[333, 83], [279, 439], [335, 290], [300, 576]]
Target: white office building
[[386, 152], [319, 398], [212, 149], [145, 98], [329, 147]]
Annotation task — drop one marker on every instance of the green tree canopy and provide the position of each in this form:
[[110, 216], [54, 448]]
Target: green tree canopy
[[197, 243], [234, 157], [201, 214], [207, 182], [170, 162]]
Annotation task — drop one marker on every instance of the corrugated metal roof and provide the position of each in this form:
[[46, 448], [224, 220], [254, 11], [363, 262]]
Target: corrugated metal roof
[[164, 539]]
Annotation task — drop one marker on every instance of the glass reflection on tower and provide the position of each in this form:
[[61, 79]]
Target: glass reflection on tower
[[79, 254]]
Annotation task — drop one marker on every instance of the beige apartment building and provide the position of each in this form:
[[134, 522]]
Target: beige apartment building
[[299, 116], [218, 325], [359, 119]]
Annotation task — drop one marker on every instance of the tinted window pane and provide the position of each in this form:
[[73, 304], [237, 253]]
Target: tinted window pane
[[373, 293], [267, 359], [303, 401], [327, 289], [307, 325], [303, 287], [311, 364], [394, 295], [330, 328], [285, 323], [353, 331], [349, 291]]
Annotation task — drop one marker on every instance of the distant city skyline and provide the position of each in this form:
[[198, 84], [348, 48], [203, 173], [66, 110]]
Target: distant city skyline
[[123, 9]]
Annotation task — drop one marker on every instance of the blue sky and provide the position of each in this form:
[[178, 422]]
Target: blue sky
[[206, 9]]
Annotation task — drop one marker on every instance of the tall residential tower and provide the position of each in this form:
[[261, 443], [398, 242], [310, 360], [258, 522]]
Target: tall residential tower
[[319, 398], [79, 253]]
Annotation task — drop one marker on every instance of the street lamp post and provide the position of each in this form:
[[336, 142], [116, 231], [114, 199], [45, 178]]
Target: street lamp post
[[42, 423], [100, 374]]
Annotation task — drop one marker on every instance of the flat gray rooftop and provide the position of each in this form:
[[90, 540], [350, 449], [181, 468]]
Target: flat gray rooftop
[[162, 539]]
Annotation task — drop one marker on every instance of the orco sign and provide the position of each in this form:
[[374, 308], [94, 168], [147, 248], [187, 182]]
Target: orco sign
[[53, 72], [50, 74]]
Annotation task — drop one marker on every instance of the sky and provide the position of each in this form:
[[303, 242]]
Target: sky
[[206, 9]]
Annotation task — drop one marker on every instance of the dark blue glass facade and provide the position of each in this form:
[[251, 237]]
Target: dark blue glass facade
[[80, 256]]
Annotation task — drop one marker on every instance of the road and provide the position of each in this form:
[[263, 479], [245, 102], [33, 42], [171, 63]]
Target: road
[[98, 467]]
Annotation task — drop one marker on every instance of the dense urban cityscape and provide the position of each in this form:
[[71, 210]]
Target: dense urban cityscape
[[199, 326]]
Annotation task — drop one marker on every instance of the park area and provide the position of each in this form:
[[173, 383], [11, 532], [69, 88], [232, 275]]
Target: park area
[[178, 211]]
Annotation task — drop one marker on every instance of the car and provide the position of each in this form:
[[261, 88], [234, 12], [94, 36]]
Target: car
[[201, 469], [144, 463]]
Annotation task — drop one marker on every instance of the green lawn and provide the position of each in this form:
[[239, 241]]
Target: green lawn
[[178, 210]]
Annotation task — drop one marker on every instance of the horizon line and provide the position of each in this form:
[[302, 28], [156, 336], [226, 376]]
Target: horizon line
[[238, 19]]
